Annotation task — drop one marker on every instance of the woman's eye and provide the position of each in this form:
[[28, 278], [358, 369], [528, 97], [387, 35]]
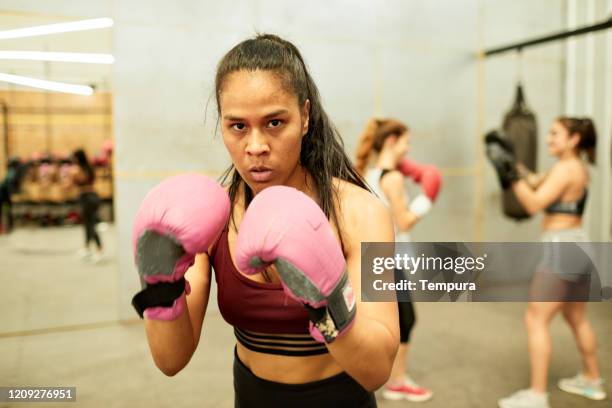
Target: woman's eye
[[275, 123], [239, 126]]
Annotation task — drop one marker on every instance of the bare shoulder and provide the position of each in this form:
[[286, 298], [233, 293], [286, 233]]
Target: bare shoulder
[[363, 215], [392, 179], [562, 169], [355, 200]]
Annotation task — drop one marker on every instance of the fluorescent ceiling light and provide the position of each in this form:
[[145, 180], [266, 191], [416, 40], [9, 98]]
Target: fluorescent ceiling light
[[86, 58], [49, 85], [81, 25]]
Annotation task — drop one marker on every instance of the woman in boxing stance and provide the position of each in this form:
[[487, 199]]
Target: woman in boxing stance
[[384, 143], [562, 280], [284, 240]]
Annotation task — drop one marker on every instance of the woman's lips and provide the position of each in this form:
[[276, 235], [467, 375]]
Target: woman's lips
[[261, 175]]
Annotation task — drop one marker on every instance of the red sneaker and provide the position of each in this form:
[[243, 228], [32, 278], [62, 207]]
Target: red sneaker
[[409, 390]]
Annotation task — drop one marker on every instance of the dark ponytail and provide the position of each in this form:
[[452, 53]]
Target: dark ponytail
[[588, 140], [322, 151], [81, 160], [585, 128]]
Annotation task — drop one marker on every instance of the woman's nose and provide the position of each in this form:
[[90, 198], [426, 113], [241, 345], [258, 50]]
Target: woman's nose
[[257, 143]]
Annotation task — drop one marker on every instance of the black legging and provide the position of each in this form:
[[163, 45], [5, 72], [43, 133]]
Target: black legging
[[338, 391], [407, 318], [89, 209], [5, 197]]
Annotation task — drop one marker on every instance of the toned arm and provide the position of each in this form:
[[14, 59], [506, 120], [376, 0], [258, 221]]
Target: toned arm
[[172, 343], [367, 351], [549, 191], [393, 186]]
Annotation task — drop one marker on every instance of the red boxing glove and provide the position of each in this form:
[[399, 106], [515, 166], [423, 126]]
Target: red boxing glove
[[430, 179], [410, 168], [427, 175]]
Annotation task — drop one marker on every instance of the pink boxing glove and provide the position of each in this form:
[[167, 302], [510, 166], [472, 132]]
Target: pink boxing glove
[[430, 179], [285, 227], [179, 218]]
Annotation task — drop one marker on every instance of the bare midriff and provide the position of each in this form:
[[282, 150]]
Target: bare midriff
[[286, 369], [555, 222]]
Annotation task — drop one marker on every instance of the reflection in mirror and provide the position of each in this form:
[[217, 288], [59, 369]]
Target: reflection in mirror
[[56, 173]]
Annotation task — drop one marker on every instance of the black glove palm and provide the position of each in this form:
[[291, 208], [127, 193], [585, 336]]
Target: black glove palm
[[500, 152]]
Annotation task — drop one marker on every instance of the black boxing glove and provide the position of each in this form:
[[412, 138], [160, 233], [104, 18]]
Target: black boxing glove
[[500, 152]]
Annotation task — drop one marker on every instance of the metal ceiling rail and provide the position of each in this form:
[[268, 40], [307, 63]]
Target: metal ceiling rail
[[552, 37]]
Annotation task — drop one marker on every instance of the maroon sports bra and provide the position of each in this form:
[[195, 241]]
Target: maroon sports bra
[[265, 319]]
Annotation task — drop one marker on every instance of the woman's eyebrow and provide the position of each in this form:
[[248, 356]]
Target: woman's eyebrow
[[276, 113], [267, 116], [231, 117]]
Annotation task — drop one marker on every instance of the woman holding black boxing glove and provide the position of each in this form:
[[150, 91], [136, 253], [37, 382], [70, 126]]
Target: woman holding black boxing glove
[[562, 276]]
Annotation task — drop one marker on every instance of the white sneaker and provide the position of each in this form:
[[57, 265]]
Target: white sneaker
[[97, 258], [525, 399], [84, 254], [580, 385]]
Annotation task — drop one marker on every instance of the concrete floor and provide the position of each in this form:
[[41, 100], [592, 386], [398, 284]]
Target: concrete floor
[[58, 328]]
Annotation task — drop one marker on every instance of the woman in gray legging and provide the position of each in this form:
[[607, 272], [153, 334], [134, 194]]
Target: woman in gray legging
[[561, 194]]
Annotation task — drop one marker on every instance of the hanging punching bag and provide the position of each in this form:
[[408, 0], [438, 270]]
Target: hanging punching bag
[[520, 127]]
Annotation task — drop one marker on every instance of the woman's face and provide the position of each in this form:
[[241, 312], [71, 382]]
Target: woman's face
[[398, 146], [559, 140], [262, 125], [402, 147]]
